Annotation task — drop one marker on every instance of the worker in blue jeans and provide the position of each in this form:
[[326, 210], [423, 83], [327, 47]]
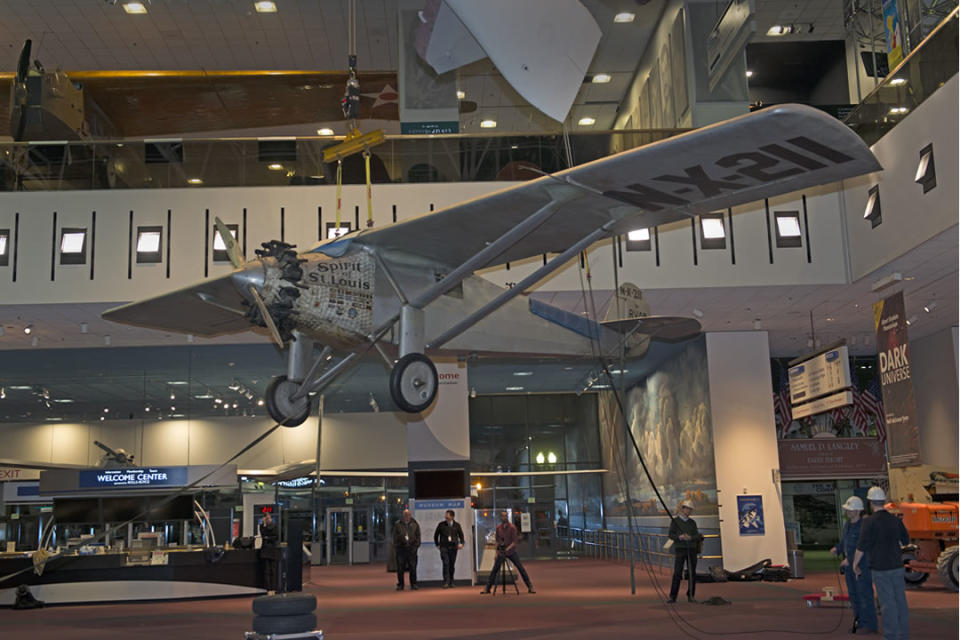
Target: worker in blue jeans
[[881, 538], [859, 588]]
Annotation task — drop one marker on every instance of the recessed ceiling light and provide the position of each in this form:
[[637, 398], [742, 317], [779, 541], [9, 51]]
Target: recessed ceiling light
[[326, 131], [265, 6], [601, 78], [195, 181], [523, 373], [177, 382], [27, 330], [625, 16], [586, 122], [514, 389], [134, 7], [488, 124], [461, 94], [899, 110], [779, 30], [896, 82], [63, 400], [275, 166]]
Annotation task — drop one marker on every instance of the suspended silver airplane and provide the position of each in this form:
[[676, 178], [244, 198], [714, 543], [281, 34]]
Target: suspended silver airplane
[[412, 283]]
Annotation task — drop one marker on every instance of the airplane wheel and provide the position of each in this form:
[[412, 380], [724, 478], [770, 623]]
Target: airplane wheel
[[413, 382], [289, 413]]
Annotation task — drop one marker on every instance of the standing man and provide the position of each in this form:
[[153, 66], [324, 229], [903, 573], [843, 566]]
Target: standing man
[[507, 538], [686, 545], [268, 551], [406, 541], [881, 537], [448, 537], [860, 588]]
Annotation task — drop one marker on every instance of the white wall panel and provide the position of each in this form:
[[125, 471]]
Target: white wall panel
[[745, 443], [910, 216]]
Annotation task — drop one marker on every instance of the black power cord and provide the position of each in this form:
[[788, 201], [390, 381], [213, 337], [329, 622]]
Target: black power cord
[[675, 616]]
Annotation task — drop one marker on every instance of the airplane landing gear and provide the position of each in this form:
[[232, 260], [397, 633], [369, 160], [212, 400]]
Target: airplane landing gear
[[413, 382], [280, 406]]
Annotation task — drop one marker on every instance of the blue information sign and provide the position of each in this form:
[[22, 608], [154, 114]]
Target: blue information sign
[[141, 478], [750, 514]]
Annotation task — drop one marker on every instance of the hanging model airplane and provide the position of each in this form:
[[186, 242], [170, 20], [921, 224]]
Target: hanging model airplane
[[412, 283]]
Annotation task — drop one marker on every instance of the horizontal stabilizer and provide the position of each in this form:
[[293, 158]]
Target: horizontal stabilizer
[[663, 328]]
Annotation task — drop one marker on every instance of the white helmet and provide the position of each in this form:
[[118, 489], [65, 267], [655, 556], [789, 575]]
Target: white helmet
[[876, 494], [853, 503], [687, 503]]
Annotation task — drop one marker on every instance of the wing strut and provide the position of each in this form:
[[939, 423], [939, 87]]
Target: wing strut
[[517, 289]]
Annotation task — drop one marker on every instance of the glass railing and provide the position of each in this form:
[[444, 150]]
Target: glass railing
[[914, 80], [234, 162]]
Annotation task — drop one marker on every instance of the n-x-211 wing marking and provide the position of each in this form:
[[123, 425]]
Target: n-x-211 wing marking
[[350, 292]]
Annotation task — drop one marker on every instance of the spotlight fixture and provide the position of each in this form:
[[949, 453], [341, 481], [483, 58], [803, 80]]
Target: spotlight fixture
[[541, 458], [552, 458], [28, 329], [930, 306], [749, 73], [872, 211], [926, 175], [911, 320], [600, 78]]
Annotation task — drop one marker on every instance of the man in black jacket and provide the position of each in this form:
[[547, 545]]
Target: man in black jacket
[[448, 537], [406, 542], [686, 540]]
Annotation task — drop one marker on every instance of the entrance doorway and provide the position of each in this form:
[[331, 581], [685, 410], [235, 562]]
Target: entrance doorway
[[348, 537]]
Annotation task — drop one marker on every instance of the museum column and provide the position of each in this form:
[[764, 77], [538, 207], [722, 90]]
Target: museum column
[[745, 449]]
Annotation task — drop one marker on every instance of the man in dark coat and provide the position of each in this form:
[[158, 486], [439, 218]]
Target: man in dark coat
[[881, 538], [448, 537], [268, 551], [406, 542], [686, 540]]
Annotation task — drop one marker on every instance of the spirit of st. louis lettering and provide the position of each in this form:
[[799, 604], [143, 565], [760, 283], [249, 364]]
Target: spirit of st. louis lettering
[[768, 163]]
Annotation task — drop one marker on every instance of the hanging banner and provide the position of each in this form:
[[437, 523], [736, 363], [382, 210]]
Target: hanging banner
[[750, 515], [893, 355], [891, 26]]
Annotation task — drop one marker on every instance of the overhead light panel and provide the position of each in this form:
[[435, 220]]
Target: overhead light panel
[[73, 240], [552, 458], [780, 30], [749, 73], [333, 231], [898, 82], [265, 6], [461, 94], [541, 458], [275, 166], [135, 8], [586, 121], [638, 240], [788, 229], [219, 247], [624, 17], [488, 124], [514, 389], [195, 181], [926, 171], [872, 211], [4, 247], [600, 78], [523, 373], [148, 244], [713, 233], [898, 111], [325, 131]]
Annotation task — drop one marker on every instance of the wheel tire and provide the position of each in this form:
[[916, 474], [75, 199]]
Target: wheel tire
[[413, 383], [285, 604], [279, 406], [285, 624], [947, 567], [911, 577]]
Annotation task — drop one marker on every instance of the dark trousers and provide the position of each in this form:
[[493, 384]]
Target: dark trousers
[[515, 559], [448, 556], [406, 561], [688, 557], [268, 558]]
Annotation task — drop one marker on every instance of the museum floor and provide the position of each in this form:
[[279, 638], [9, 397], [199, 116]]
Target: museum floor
[[575, 599]]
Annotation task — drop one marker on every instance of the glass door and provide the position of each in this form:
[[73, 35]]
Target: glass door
[[340, 535]]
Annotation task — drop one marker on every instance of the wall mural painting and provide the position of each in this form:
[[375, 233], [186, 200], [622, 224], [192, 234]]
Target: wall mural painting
[[669, 415]]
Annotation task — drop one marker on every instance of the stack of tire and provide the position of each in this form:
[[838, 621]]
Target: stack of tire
[[285, 613]]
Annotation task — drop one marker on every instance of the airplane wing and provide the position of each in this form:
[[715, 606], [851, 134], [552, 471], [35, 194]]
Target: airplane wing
[[755, 156], [211, 308]]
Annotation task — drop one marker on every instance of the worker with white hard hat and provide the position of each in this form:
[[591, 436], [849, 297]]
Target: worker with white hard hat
[[686, 541], [881, 538], [859, 588]]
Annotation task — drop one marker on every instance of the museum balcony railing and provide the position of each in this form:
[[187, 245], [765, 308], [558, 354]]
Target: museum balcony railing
[[916, 78], [606, 544], [277, 162]]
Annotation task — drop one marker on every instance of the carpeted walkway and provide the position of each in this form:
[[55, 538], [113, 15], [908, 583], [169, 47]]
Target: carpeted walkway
[[579, 599]]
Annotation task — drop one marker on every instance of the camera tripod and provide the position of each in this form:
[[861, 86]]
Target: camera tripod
[[504, 570]]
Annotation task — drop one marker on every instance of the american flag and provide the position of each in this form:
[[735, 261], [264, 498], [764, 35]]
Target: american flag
[[859, 417], [781, 403], [872, 401]]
